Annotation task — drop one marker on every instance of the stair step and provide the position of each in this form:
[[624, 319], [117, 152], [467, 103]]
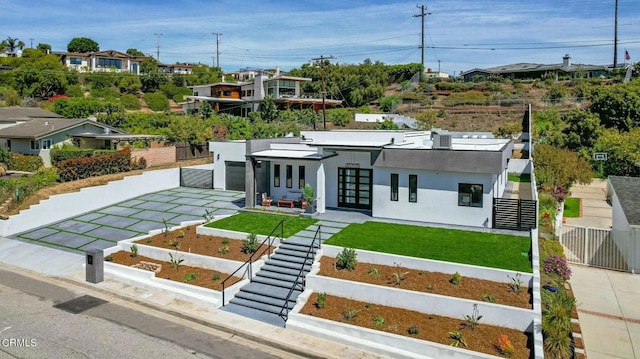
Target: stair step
[[295, 253], [275, 309], [268, 290], [285, 264], [292, 259], [300, 241], [283, 270], [268, 300], [280, 276], [273, 282], [259, 315]]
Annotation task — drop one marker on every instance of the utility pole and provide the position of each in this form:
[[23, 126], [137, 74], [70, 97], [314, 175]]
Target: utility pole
[[31, 38], [423, 13], [217, 35], [438, 68], [324, 92], [158, 46], [213, 61], [615, 39]]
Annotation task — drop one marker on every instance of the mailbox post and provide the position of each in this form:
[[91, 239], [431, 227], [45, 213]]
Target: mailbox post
[[94, 265]]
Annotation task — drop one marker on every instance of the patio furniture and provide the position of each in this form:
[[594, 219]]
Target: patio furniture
[[266, 201], [285, 202]]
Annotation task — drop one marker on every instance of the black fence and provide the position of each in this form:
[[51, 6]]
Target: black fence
[[196, 177], [514, 214]]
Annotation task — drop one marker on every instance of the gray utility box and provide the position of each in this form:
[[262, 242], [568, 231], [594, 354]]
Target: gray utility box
[[95, 265]]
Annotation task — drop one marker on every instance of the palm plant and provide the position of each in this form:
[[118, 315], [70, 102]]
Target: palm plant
[[12, 44]]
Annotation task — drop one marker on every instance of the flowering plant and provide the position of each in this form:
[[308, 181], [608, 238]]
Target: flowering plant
[[504, 346], [557, 265]]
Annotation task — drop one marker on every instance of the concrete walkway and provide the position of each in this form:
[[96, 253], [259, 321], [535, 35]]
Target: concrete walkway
[[608, 311], [594, 209]]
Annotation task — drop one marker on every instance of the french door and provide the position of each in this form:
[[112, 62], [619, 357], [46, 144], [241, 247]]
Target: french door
[[354, 188]]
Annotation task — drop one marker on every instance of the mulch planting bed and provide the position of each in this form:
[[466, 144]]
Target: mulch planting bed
[[205, 277], [433, 328], [430, 282], [188, 241]]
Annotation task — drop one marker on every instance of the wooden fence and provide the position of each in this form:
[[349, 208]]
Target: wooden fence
[[185, 151]]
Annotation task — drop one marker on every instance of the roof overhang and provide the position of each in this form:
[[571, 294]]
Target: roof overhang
[[216, 99], [291, 155]]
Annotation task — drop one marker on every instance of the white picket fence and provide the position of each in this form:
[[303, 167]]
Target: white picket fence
[[594, 247]]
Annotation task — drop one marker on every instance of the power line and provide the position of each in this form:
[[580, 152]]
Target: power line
[[324, 92]]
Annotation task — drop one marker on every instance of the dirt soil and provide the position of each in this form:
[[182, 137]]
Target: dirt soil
[[199, 244], [430, 282], [430, 327], [204, 276], [75, 186]]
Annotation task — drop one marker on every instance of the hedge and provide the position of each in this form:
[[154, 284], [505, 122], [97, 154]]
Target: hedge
[[79, 168], [58, 155], [130, 102], [27, 163], [157, 101]]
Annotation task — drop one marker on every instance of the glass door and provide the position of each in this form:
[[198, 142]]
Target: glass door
[[354, 188]]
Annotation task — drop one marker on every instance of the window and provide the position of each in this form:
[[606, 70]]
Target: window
[[35, 145], [45, 144], [276, 175], [9, 145], [413, 188], [110, 63], [227, 93], [469, 195], [394, 186], [75, 61], [289, 176], [301, 176]]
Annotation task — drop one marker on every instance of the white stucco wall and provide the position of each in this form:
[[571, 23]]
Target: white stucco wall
[[437, 197], [309, 174], [229, 151]]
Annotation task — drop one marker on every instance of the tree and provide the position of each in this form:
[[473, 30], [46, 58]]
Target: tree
[[205, 110], [583, 130], [46, 48], [623, 152], [148, 65], [134, 52], [11, 44], [42, 78], [268, 109], [508, 130], [82, 45], [152, 81], [386, 125], [617, 106], [129, 84], [557, 169]]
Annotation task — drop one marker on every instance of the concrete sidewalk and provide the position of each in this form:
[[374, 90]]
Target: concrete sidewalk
[[595, 212], [609, 312]]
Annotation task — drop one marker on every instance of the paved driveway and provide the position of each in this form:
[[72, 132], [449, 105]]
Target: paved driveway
[[594, 209], [135, 217]]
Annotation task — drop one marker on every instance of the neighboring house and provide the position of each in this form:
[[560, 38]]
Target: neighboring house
[[244, 97], [101, 61], [247, 75], [170, 69], [10, 116], [413, 175], [400, 120], [536, 71], [38, 136], [624, 195]]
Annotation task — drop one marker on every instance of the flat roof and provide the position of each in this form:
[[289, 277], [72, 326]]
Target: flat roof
[[291, 154], [216, 99], [345, 143]]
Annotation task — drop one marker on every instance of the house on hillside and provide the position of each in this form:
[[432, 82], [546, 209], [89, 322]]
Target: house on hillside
[[10, 116], [537, 71], [101, 61], [624, 196], [38, 136], [171, 69], [413, 175], [243, 97]]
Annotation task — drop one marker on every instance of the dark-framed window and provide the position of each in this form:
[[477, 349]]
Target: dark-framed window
[[276, 175], [75, 61], [301, 176], [394, 186], [289, 176], [110, 63], [469, 195], [35, 145], [413, 188]]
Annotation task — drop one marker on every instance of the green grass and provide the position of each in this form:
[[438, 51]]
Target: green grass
[[262, 223], [525, 177], [572, 207], [476, 248]]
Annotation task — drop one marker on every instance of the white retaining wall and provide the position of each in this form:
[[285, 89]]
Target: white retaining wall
[[519, 166], [88, 199]]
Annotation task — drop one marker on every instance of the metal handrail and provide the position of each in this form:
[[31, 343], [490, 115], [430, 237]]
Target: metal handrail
[[285, 307], [249, 262]]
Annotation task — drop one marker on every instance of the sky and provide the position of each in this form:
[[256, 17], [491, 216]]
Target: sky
[[459, 34]]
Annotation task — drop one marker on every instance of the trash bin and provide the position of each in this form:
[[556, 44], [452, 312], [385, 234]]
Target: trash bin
[[94, 265]]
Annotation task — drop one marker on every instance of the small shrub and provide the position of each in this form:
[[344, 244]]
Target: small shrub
[[20, 162], [216, 277], [457, 339], [109, 258], [208, 216], [414, 330], [181, 234], [346, 259], [165, 231], [504, 346], [189, 277], [378, 320], [488, 298], [456, 278], [175, 261], [175, 244], [398, 277], [349, 314], [250, 244], [149, 240], [130, 102], [473, 320], [134, 251], [157, 101], [374, 272], [223, 250], [557, 265], [516, 283], [321, 298], [225, 241]]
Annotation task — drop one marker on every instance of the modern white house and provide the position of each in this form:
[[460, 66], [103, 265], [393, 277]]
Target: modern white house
[[624, 195], [413, 175]]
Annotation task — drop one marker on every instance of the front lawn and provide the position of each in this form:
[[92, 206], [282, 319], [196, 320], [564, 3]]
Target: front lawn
[[524, 177], [262, 223], [476, 248], [571, 207]]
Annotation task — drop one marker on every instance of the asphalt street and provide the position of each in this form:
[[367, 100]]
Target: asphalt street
[[42, 319]]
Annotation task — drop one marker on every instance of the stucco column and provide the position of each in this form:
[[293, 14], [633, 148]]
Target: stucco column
[[93, 63], [250, 183], [321, 196]]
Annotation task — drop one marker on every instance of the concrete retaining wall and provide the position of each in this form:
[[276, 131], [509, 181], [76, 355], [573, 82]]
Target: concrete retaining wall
[[88, 199]]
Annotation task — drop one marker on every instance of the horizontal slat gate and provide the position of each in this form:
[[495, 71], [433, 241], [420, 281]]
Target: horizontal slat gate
[[514, 214], [594, 247], [196, 177]]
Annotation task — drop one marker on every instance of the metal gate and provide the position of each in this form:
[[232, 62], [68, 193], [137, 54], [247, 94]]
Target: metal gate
[[514, 214], [196, 177], [235, 175], [593, 247]]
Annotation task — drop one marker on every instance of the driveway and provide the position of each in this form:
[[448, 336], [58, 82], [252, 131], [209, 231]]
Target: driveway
[[595, 212], [104, 227]]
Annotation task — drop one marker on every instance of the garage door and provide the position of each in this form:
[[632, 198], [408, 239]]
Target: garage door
[[234, 176]]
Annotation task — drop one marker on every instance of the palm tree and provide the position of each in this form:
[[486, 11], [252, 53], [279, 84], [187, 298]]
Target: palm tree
[[12, 44]]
